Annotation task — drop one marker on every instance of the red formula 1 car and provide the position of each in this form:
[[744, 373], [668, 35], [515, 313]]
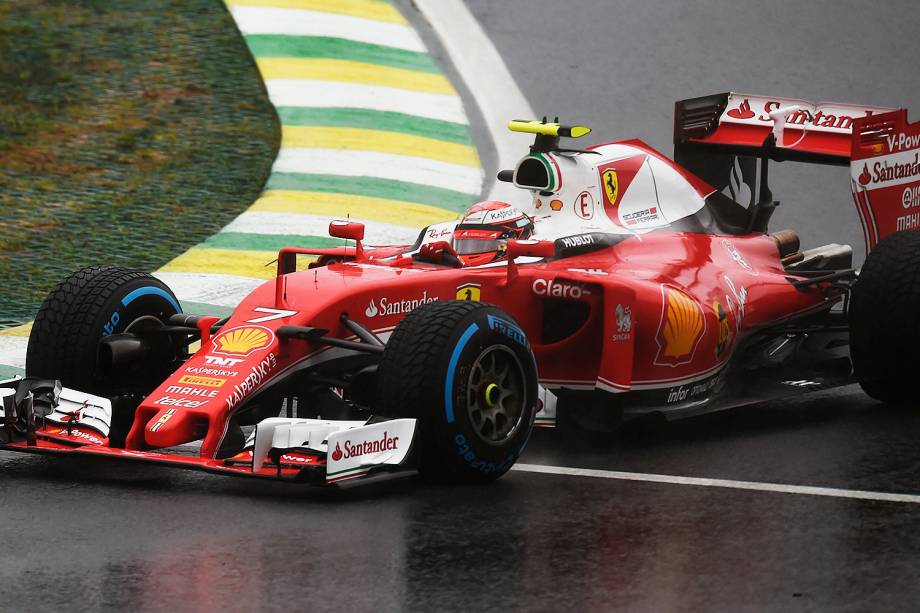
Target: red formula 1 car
[[629, 284]]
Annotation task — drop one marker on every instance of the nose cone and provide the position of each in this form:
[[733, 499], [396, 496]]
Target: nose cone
[[174, 426]]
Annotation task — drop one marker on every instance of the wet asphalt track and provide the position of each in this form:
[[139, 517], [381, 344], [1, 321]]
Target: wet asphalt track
[[98, 535]]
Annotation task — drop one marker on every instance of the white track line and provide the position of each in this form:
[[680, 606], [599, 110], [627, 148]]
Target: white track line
[[298, 22], [376, 233], [410, 169], [326, 94], [805, 490], [221, 290], [488, 79], [13, 351]]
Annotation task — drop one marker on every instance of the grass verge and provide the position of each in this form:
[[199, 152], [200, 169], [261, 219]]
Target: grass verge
[[129, 131]]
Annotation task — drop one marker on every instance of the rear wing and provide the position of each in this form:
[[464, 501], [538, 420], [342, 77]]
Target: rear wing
[[786, 128], [722, 137]]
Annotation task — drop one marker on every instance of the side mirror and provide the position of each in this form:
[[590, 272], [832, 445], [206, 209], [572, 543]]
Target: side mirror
[[347, 229], [526, 247], [532, 248]]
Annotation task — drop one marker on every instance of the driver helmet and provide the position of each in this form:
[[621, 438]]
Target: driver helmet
[[482, 234]]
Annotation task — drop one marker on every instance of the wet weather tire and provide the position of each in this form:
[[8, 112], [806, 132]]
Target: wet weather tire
[[466, 371], [87, 305], [884, 327]]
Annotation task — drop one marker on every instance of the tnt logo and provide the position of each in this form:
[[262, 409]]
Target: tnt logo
[[216, 361]]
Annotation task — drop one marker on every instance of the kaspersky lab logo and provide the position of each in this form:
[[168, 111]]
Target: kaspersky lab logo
[[386, 306]]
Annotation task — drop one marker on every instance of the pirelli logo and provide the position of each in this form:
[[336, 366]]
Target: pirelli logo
[[202, 381]]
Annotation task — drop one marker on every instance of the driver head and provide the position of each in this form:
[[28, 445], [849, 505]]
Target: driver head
[[482, 235]]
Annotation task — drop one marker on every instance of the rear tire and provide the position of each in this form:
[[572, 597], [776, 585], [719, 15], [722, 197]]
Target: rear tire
[[466, 370], [884, 328]]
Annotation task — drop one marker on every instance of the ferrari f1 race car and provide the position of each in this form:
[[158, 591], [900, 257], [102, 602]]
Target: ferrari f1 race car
[[626, 284]]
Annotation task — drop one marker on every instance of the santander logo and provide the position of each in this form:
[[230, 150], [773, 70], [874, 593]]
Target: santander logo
[[864, 176], [743, 111], [360, 448], [389, 306]]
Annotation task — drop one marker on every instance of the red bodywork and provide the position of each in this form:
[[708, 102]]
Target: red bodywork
[[664, 310], [670, 341]]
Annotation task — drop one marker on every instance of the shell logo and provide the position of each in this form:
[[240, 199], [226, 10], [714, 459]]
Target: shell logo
[[681, 328], [243, 340]]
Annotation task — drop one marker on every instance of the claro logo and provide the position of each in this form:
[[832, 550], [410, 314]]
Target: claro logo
[[558, 289], [360, 448]]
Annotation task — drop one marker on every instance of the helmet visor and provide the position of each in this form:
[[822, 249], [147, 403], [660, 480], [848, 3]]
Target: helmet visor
[[468, 246]]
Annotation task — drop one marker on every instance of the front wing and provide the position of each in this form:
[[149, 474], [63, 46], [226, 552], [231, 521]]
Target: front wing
[[301, 450]]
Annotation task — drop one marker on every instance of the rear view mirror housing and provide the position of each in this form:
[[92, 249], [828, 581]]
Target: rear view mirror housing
[[352, 230], [527, 248], [531, 248]]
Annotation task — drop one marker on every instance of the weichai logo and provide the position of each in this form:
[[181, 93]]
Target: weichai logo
[[80, 434], [243, 340]]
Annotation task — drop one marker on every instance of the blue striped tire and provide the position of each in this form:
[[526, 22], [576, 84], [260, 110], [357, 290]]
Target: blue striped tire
[[467, 372], [84, 307]]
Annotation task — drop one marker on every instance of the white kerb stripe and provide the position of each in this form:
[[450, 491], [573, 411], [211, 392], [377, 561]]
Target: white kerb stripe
[[805, 490], [221, 290], [298, 22], [375, 233], [405, 168], [326, 94], [13, 351]]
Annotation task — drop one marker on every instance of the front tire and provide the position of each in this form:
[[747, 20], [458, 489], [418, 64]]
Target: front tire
[[884, 329], [466, 370], [84, 307]]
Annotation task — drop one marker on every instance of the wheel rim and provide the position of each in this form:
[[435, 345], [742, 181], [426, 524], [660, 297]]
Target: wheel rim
[[496, 393]]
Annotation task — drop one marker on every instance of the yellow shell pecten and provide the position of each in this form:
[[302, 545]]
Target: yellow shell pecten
[[683, 326], [242, 340]]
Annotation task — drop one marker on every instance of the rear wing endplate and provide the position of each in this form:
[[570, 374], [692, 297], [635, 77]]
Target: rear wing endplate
[[885, 174]]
